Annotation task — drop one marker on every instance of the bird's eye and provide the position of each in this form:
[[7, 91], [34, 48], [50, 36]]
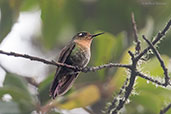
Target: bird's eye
[[82, 34]]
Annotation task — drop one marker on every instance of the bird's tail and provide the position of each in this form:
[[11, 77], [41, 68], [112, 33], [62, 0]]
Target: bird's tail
[[61, 84]]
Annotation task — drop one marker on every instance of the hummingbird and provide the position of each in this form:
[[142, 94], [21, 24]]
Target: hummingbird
[[77, 53]]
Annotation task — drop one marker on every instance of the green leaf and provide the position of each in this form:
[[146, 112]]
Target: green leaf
[[17, 87], [16, 81], [26, 104], [150, 96], [28, 4], [153, 68], [44, 89], [147, 31], [148, 101], [121, 74], [80, 98], [108, 48], [54, 19], [9, 14], [9, 108], [16, 93]]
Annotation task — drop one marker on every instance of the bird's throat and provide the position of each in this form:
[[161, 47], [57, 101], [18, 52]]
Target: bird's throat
[[84, 43]]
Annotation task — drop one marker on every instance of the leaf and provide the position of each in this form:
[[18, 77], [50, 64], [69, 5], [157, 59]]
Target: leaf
[[9, 108], [153, 68], [148, 101], [44, 89], [26, 104], [81, 98], [54, 19], [147, 31], [121, 73], [16, 81], [17, 94], [108, 47], [28, 4], [17, 87], [86, 96], [150, 96], [9, 14]]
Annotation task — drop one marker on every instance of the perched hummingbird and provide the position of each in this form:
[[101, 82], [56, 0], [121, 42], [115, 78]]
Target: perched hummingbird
[[76, 53]]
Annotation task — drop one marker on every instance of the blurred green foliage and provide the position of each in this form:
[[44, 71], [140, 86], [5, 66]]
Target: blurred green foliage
[[22, 100], [61, 19], [107, 47]]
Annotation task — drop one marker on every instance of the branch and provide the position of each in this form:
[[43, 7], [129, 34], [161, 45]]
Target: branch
[[165, 109], [158, 38], [160, 60], [109, 65], [149, 78], [128, 89], [76, 68], [32, 58], [32, 81], [116, 99], [138, 47], [115, 107]]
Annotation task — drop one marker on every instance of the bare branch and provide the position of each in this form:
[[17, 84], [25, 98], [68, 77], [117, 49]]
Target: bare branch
[[150, 79], [32, 81], [165, 109], [32, 58], [138, 47], [76, 68], [109, 65], [113, 108], [128, 89], [160, 60], [131, 54], [158, 38], [116, 99]]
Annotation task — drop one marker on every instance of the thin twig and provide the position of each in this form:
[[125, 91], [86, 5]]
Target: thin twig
[[113, 108], [76, 68], [32, 58], [149, 78], [165, 109], [116, 100], [158, 38], [160, 60], [32, 81], [138, 47], [109, 65], [128, 89]]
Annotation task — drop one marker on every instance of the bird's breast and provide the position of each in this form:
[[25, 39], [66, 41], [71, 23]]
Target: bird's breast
[[79, 57]]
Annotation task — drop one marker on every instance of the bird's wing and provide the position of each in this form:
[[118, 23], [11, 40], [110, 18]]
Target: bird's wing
[[66, 51], [64, 54]]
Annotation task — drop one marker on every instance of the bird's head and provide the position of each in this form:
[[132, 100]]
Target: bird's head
[[85, 36]]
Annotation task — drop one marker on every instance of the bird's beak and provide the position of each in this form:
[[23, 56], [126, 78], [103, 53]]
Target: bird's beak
[[94, 35]]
